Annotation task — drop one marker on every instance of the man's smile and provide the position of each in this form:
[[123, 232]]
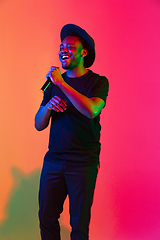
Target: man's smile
[[64, 57]]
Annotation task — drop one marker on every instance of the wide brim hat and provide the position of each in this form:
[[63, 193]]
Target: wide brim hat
[[87, 41]]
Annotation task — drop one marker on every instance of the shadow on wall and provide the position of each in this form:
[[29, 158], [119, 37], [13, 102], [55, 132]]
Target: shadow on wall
[[21, 220]]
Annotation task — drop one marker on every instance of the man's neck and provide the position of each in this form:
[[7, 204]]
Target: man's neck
[[73, 73]]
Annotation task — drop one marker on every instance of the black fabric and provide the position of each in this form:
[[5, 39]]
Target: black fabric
[[74, 138], [55, 183]]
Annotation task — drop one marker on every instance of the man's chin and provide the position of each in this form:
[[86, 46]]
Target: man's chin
[[65, 66]]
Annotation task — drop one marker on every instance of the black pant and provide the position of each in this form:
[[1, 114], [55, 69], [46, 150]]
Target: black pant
[[56, 182]]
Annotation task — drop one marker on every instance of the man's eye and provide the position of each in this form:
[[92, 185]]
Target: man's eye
[[70, 46]]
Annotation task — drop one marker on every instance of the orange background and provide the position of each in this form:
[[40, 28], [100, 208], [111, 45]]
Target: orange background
[[127, 36]]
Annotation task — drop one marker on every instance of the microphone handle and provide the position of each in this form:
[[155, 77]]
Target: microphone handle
[[46, 84]]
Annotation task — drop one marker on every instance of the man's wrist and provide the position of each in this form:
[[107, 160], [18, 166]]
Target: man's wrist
[[48, 107], [62, 84]]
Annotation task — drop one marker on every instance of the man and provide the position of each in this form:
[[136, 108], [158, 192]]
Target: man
[[73, 103]]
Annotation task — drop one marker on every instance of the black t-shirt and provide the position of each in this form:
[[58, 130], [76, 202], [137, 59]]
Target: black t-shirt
[[74, 138]]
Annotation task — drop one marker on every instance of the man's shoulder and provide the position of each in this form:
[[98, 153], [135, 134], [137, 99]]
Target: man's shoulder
[[96, 77]]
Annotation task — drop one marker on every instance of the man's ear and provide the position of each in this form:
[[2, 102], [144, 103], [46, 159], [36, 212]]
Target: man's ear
[[84, 52]]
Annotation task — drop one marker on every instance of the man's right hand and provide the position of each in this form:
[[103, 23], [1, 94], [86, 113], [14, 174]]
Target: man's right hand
[[57, 104]]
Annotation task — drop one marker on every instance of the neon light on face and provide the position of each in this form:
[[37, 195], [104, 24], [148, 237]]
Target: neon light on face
[[70, 52]]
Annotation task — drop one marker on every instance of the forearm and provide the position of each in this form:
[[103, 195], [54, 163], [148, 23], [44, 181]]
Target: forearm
[[83, 104], [42, 118], [90, 107]]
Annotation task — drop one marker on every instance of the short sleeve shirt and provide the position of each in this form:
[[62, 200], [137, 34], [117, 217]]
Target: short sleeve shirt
[[74, 138]]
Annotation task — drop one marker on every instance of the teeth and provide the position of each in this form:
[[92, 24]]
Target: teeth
[[65, 57]]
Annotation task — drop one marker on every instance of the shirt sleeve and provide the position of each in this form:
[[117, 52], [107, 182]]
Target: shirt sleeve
[[46, 96], [100, 88]]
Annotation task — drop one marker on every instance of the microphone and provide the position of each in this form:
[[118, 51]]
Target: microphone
[[46, 84]]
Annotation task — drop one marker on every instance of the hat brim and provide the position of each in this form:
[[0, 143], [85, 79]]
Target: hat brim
[[70, 30]]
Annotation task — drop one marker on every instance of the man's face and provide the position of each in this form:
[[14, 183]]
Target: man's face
[[70, 53]]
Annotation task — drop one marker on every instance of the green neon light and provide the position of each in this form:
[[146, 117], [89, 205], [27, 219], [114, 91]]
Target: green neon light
[[46, 86]]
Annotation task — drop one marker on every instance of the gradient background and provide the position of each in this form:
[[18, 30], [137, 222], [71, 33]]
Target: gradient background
[[127, 35]]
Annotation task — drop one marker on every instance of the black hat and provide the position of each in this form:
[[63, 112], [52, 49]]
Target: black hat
[[87, 41]]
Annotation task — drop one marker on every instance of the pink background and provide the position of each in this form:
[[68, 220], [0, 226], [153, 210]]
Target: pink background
[[127, 35]]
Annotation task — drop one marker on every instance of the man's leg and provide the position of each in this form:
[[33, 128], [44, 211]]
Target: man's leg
[[52, 194], [81, 184]]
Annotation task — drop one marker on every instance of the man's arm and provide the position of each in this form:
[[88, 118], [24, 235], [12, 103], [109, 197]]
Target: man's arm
[[43, 115], [42, 118], [90, 107]]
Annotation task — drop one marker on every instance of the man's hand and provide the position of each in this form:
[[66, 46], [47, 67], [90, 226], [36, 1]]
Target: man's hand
[[57, 104], [55, 75]]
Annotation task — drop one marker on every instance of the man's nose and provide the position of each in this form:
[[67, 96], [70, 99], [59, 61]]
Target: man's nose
[[65, 49]]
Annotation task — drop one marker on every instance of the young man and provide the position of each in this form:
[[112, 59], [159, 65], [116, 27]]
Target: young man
[[73, 103]]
